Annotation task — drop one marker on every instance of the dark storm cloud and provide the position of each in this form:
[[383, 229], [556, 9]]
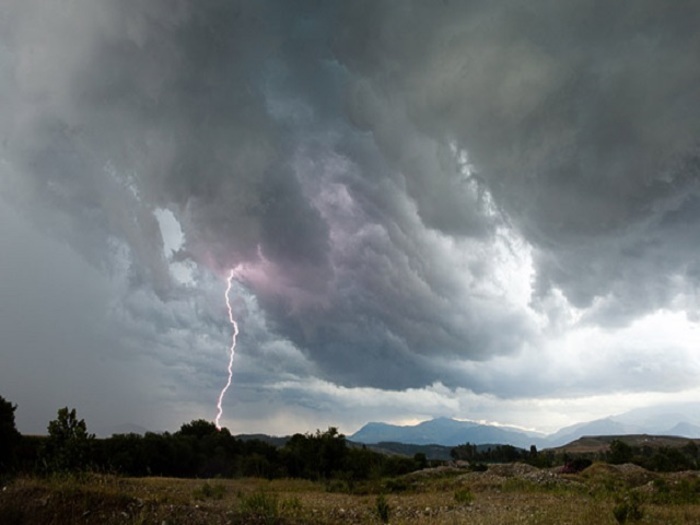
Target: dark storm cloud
[[581, 117], [361, 161]]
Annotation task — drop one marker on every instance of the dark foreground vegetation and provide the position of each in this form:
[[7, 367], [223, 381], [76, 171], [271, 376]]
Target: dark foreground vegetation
[[202, 475], [197, 450], [503, 493]]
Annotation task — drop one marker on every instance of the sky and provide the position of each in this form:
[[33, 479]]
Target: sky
[[480, 210]]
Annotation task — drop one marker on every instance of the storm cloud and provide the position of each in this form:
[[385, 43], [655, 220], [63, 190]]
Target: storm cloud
[[412, 195]]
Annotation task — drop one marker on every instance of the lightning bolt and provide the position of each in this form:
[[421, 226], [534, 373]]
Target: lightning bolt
[[231, 352]]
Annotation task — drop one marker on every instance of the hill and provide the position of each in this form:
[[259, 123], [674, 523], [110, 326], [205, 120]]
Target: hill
[[592, 444]]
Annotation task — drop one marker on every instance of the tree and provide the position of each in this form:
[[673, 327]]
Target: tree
[[620, 452], [199, 428], [467, 452], [68, 445], [692, 451], [421, 460], [315, 456], [8, 433]]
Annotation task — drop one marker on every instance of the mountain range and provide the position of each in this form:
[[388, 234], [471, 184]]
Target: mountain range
[[675, 420]]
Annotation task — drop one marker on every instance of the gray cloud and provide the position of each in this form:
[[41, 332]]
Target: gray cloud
[[580, 118], [406, 190], [179, 109]]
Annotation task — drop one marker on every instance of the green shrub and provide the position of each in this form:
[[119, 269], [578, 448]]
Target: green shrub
[[260, 507], [628, 508], [207, 491], [394, 485], [682, 492], [464, 496], [292, 507], [338, 486], [382, 508]]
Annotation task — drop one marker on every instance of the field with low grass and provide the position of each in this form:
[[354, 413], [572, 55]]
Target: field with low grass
[[510, 493]]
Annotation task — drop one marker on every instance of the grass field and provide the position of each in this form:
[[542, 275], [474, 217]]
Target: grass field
[[505, 494]]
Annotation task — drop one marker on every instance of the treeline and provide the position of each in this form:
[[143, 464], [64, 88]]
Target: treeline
[[658, 459], [503, 454], [197, 449]]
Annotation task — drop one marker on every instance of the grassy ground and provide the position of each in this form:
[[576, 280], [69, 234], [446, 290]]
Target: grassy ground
[[513, 494]]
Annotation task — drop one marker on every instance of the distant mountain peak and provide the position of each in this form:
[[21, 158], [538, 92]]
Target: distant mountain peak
[[684, 429], [446, 431], [441, 431]]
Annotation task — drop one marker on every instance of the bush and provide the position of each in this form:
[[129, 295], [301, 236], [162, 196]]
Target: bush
[[464, 496], [628, 508], [338, 485], [682, 492], [382, 508], [395, 485], [575, 466], [260, 507], [208, 491], [292, 507]]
